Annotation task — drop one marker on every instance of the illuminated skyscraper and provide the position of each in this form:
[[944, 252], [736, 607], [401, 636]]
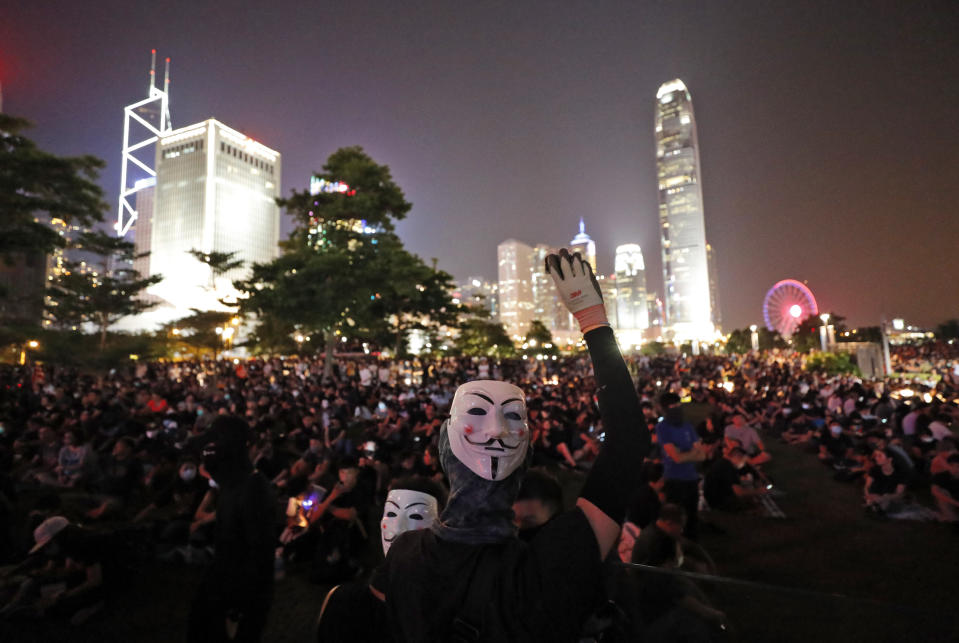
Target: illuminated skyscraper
[[515, 286], [215, 192], [584, 245], [631, 306], [691, 312]]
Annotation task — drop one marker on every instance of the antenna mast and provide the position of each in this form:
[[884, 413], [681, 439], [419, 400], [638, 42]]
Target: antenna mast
[[156, 98]]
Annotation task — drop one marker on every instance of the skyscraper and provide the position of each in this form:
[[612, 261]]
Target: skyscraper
[[691, 312], [215, 192], [514, 259], [631, 307], [584, 245]]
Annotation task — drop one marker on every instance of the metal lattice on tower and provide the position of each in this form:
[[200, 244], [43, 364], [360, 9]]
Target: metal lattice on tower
[[153, 115]]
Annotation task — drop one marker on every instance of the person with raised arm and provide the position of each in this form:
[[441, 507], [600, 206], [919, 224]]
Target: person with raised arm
[[468, 577]]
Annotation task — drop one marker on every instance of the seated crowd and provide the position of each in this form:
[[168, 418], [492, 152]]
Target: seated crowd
[[87, 460]]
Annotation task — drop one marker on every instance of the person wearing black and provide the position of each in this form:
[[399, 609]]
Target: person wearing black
[[235, 594], [724, 484], [885, 483], [469, 577]]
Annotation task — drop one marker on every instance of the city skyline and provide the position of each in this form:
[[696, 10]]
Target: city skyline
[[521, 134]]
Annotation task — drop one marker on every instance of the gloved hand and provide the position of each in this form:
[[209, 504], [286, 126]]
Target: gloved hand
[[578, 288]]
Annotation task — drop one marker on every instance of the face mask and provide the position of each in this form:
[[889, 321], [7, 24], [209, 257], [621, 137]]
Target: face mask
[[187, 474], [406, 510], [199, 412], [487, 428], [835, 430]]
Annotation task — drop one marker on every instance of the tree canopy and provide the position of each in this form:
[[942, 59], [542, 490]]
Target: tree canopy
[[344, 271], [100, 294], [36, 184]]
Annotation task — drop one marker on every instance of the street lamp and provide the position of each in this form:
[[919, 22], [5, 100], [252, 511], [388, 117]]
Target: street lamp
[[33, 343], [754, 337]]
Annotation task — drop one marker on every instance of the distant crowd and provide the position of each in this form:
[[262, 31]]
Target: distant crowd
[[88, 460]]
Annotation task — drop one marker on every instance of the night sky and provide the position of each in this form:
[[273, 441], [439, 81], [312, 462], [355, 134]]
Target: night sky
[[829, 131]]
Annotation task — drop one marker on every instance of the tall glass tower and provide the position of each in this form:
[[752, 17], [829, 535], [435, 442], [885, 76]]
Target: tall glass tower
[[689, 301]]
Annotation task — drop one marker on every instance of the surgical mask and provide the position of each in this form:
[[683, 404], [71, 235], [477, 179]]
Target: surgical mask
[[835, 430], [187, 474], [488, 430], [406, 510]]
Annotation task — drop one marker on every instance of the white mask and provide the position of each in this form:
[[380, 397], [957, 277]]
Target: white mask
[[406, 510], [487, 428], [187, 474]]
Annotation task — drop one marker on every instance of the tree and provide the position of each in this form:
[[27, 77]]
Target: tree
[[344, 270], [272, 336], [219, 263], [740, 341], [207, 329], [478, 337], [100, 297], [539, 338], [948, 329], [34, 183], [832, 364]]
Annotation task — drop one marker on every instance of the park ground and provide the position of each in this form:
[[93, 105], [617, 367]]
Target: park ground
[[827, 572]]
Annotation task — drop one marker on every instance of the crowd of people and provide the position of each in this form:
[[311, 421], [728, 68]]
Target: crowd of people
[[88, 459]]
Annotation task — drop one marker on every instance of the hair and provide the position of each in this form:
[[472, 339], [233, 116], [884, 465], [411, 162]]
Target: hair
[[953, 459], [669, 399], [422, 485], [541, 485], [673, 513]]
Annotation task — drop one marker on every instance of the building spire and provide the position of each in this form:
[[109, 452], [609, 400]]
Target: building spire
[[582, 226], [153, 71]]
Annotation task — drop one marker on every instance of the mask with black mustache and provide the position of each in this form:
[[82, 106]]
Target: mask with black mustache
[[488, 430]]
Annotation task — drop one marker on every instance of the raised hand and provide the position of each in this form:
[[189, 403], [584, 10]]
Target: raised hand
[[578, 289]]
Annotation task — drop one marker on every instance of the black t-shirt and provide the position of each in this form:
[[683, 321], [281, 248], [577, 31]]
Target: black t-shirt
[[883, 484], [719, 481], [542, 591], [836, 446]]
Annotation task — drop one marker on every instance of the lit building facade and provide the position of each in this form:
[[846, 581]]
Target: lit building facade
[[476, 291], [631, 306], [515, 272], [691, 312], [215, 191]]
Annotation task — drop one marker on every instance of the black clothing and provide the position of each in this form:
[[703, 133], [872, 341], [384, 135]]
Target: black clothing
[[351, 613], [882, 484], [836, 446], [614, 475], [718, 484], [947, 483], [644, 507], [685, 493], [543, 591], [241, 577]]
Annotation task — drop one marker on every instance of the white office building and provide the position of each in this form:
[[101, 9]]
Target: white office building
[[215, 191]]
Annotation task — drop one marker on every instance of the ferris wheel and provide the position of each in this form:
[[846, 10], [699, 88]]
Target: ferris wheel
[[788, 304]]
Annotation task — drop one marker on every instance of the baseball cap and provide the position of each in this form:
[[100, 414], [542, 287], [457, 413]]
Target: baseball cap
[[47, 530]]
